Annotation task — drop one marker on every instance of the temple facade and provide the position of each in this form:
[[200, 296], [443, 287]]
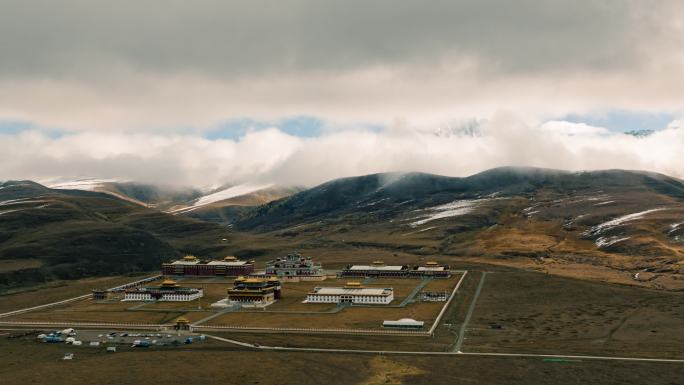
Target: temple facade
[[168, 290], [295, 265], [191, 265], [351, 293], [255, 291]]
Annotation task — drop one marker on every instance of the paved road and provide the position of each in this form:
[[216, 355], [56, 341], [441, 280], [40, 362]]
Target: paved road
[[471, 309], [453, 354]]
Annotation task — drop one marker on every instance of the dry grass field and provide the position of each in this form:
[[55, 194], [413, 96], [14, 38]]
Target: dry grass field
[[59, 290], [26, 362], [544, 314], [351, 318]]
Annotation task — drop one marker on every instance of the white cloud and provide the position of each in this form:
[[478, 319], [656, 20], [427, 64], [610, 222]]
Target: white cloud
[[569, 128], [271, 156], [135, 85], [134, 66]]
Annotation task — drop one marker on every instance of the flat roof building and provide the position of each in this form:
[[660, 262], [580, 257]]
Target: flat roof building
[[432, 269], [351, 293], [379, 269], [190, 265], [376, 269], [404, 323], [169, 290], [434, 296]]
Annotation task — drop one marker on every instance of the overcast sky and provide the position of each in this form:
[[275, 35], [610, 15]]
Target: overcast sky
[[299, 92]]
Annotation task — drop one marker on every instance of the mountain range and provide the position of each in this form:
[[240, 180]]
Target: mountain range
[[616, 225]]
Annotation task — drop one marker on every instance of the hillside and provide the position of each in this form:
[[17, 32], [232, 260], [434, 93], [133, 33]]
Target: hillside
[[628, 222], [50, 234], [614, 225], [230, 210], [222, 205]]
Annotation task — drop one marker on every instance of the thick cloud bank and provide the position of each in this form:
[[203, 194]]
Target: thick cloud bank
[[269, 155], [142, 65], [132, 89]]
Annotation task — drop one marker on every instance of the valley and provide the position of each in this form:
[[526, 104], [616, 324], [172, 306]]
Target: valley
[[579, 271]]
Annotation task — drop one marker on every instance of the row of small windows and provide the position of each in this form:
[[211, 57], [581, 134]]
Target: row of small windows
[[360, 299], [165, 297]]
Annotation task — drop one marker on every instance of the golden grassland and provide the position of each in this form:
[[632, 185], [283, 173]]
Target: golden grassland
[[28, 362], [59, 290], [349, 318], [390, 372], [541, 314]]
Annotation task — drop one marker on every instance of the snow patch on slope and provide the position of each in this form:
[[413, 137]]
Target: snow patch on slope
[[452, 209], [609, 241], [598, 229], [675, 226], [217, 196], [231, 192], [80, 184]]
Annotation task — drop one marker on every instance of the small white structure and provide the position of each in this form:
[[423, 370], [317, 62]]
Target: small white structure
[[352, 293], [404, 323]]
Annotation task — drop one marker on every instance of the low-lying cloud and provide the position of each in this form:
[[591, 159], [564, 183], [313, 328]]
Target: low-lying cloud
[[269, 155]]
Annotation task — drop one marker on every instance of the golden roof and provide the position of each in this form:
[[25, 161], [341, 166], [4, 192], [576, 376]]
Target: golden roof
[[182, 320], [189, 258], [169, 282], [378, 263], [431, 263], [230, 258], [353, 284]]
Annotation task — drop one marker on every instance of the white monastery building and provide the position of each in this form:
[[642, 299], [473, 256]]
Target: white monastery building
[[353, 293]]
